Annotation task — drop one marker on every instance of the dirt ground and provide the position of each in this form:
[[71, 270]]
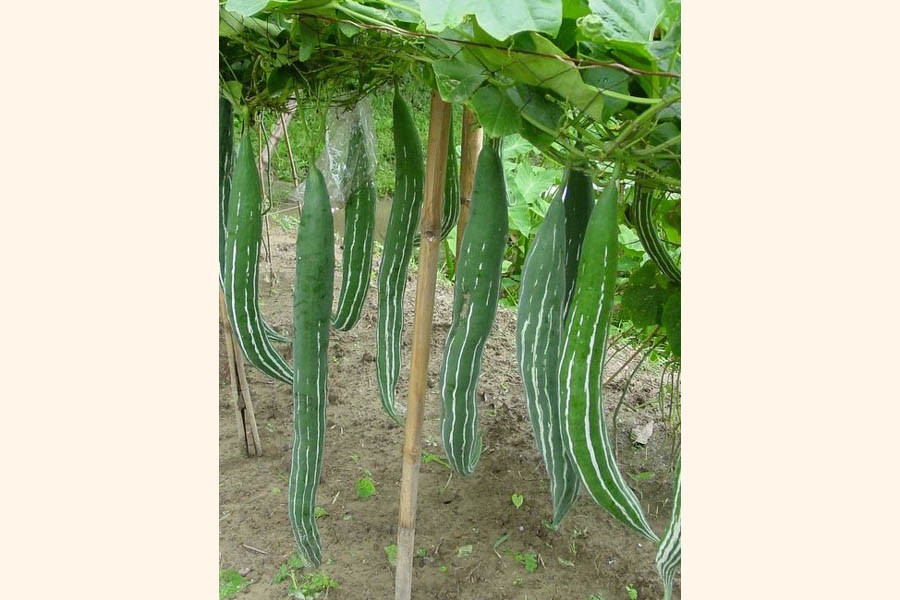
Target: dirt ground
[[590, 554]]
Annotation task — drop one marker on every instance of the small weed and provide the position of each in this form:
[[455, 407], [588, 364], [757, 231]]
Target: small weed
[[276, 490], [642, 476], [442, 568], [365, 487], [230, 583], [518, 581], [428, 457], [391, 552], [421, 552], [565, 563], [596, 597], [286, 221], [517, 500], [320, 512], [632, 593], [528, 560], [354, 457], [312, 585], [464, 550]]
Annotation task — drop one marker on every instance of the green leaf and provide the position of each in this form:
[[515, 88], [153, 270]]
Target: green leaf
[[365, 487], [230, 583], [391, 552], [464, 550], [496, 112], [643, 305], [441, 14], [517, 500], [457, 80], [631, 20], [539, 66], [503, 18], [246, 8], [615, 80], [671, 320], [304, 37], [232, 92]]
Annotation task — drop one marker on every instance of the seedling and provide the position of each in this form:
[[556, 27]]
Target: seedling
[[320, 512], [632, 593], [517, 500], [391, 552], [230, 583], [464, 550], [528, 560], [365, 487]]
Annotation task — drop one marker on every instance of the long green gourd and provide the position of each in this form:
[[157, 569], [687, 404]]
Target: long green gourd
[[398, 245], [359, 234], [546, 286], [241, 272], [475, 298], [641, 214], [668, 554], [313, 293], [226, 172], [581, 366], [450, 213], [226, 165]]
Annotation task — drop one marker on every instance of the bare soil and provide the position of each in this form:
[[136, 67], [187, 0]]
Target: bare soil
[[591, 553]]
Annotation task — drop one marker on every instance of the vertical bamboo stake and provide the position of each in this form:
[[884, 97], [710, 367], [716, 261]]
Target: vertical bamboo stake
[[436, 164], [472, 139], [240, 390]]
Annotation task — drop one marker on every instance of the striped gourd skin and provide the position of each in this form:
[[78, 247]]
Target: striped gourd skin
[[451, 187], [241, 274], [581, 367], [641, 215], [545, 290], [406, 208], [313, 293], [359, 234], [475, 298], [226, 164], [450, 211], [578, 200], [668, 554]]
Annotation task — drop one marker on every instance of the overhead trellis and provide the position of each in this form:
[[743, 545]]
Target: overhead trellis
[[589, 82]]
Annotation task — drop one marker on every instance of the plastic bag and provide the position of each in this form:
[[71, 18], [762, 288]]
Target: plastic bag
[[333, 159]]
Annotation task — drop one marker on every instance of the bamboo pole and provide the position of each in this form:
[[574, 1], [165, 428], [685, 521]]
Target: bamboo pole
[[436, 164], [472, 140], [240, 390]]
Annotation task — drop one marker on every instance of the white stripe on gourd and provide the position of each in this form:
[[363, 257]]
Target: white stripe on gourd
[[668, 554], [581, 366], [475, 297], [313, 293], [241, 272], [359, 233], [547, 282], [398, 245], [642, 216]]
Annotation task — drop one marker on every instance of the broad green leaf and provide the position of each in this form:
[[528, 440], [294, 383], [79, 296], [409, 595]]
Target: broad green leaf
[[457, 80], [441, 14], [246, 8], [543, 65], [572, 9], [643, 305], [503, 18], [536, 108], [520, 218], [671, 320], [616, 80], [304, 37], [496, 112], [631, 20], [231, 90]]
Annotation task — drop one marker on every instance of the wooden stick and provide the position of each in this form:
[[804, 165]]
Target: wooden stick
[[436, 163], [472, 140], [236, 400], [240, 390]]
